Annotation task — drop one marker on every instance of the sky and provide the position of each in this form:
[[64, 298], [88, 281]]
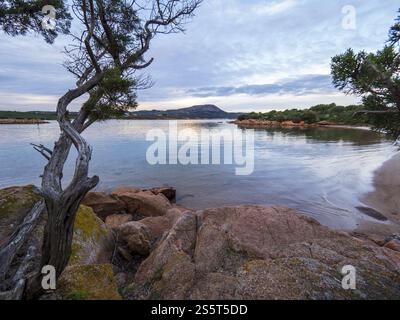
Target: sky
[[241, 55]]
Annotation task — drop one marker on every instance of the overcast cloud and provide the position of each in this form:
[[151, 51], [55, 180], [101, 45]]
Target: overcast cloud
[[238, 54]]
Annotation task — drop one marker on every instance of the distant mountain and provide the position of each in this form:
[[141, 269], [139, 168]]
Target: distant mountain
[[207, 111]]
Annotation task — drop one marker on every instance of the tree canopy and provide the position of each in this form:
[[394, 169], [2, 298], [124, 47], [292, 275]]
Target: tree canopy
[[376, 78], [21, 17]]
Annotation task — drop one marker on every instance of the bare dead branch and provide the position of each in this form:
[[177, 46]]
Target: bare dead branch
[[45, 152], [18, 238]]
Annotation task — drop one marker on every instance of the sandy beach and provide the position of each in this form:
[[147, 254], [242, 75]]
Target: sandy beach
[[385, 198]]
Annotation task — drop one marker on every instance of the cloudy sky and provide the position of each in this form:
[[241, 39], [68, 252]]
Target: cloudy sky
[[241, 55]]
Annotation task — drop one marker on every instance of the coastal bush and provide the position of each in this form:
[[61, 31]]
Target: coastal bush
[[375, 77], [322, 112]]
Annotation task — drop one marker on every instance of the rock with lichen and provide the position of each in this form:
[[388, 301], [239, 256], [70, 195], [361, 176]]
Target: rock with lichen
[[254, 252], [246, 252], [92, 241], [88, 282], [15, 203]]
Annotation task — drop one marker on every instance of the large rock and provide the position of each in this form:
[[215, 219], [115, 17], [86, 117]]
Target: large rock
[[254, 252], [92, 241], [141, 236], [121, 190], [136, 236], [168, 192], [15, 203], [169, 271], [142, 202], [88, 282], [393, 245], [115, 220], [104, 204], [157, 226]]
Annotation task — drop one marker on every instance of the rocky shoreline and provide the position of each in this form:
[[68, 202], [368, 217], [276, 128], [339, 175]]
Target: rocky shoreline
[[137, 243], [255, 123], [22, 121]]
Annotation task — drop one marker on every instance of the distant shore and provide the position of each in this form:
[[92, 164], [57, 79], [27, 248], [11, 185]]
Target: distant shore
[[256, 123], [244, 123], [22, 121]]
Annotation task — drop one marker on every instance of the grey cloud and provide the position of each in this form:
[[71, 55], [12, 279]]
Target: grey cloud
[[225, 50], [300, 86]]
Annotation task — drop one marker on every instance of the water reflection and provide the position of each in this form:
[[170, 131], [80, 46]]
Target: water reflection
[[321, 171], [356, 136]]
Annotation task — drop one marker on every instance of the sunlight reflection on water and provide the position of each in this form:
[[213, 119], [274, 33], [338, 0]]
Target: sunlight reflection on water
[[321, 172]]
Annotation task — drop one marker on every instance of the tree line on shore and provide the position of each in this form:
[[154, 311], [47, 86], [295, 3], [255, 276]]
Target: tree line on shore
[[347, 115]]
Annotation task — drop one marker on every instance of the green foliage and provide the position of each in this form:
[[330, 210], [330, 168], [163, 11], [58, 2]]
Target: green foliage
[[376, 78], [117, 96], [21, 17], [394, 32], [116, 47], [389, 123], [322, 112]]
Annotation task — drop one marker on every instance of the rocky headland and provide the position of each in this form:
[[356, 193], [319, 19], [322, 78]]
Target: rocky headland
[[137, 243]]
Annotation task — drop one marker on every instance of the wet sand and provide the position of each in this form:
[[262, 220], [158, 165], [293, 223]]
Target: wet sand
[[385, 199]]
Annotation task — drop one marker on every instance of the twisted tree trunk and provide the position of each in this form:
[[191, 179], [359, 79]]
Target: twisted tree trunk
[[23, 279], [62, 203]]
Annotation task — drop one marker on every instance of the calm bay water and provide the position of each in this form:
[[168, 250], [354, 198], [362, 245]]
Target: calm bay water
[[321, 172]]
